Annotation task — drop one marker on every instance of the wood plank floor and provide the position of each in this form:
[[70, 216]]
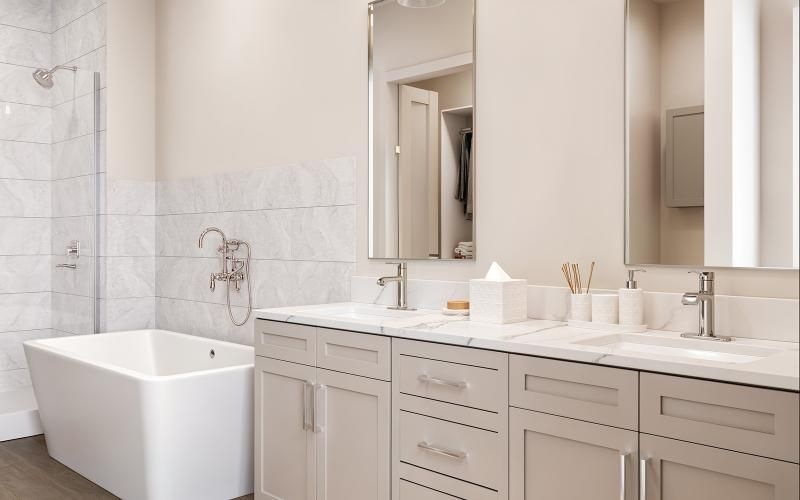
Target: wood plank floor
[[28, 473]]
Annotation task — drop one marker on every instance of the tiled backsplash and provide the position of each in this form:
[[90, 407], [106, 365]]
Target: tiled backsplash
[[299, 220], [751, 317]]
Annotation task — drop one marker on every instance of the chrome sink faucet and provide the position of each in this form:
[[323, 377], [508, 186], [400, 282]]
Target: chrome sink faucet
[[704, 299], [402, 285]]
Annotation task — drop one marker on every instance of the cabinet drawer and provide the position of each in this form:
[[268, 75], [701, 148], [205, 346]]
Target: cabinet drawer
[[445, 485], [451, 382], [677, 470], [459, 451], [596, 394], [356, 353], [747, 419], [413, 491], [286, 341]]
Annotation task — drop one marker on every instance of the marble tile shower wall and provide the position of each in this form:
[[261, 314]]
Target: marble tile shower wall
[[45, 161], [25, 128], [78, 39], [299, 219]]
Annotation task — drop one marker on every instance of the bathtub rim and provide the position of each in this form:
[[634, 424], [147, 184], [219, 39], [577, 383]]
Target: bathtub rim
[[44, 345]]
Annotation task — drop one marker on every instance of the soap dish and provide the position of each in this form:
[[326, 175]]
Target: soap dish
[[455, 312], [607, 327]]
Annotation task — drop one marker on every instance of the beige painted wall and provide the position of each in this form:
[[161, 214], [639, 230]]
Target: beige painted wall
[[131, 89], [276, 81], [644, 131], [681, 86], [259, 82], [454, 90], [777, 64]]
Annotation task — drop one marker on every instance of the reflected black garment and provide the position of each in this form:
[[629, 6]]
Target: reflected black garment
[[465, 181]]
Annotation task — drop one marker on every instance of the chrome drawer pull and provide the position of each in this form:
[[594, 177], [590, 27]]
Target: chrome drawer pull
[[456, 384], [623, 480], [643, 479], [308, 405], [455, 455]]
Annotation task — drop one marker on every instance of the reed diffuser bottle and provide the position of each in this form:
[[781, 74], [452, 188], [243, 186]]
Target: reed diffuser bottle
[[580, 299]]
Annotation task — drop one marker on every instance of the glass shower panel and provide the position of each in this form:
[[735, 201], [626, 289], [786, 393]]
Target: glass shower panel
[[77, 180]]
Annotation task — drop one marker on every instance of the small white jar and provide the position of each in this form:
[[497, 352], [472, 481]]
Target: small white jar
[[580, 307], [605, 308]]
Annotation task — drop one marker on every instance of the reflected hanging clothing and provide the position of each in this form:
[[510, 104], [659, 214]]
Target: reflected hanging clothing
[[464, 181]]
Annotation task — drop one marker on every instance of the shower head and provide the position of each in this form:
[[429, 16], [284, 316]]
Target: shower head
[[44, 77]]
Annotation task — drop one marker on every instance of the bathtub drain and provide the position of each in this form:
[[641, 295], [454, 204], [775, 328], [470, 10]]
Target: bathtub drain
[[211, 354]]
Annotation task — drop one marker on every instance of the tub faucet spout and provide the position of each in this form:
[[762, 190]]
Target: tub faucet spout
[[208, 230]]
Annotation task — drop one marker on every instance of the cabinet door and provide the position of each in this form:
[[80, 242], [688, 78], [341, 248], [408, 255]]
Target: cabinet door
[[351, 420], [284, 461], [677, 470], [560, 458]]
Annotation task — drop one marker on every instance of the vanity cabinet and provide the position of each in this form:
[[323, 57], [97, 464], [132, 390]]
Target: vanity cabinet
[[321, 434], [344, 415], [555, 457], [285, 461], [677, 470], [450, 422], [572, 430]]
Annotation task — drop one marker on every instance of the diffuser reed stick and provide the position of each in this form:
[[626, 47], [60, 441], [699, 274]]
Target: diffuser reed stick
[[565, 270], [591, 273], [572, 274]]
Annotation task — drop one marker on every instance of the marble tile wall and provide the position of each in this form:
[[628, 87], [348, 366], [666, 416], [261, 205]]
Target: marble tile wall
[[46, 182], [299, 219], [78, 38], [128, 267], [749, 317], [25, 190]]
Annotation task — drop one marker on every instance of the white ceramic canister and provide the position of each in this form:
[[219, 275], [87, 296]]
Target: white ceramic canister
[[580, 307], [605, 308]]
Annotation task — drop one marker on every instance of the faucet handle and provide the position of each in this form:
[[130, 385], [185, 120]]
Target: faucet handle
[[706, 281], [704, 275]]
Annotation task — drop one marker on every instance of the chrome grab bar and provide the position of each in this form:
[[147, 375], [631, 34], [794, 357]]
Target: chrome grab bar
[[438, 450], [456, 384], [66, 266]]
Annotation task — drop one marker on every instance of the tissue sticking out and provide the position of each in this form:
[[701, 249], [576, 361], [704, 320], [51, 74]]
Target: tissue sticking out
[[572, 273], [496, 273]]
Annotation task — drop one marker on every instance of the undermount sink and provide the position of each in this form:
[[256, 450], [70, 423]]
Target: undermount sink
[[728, 352], [367, 312]]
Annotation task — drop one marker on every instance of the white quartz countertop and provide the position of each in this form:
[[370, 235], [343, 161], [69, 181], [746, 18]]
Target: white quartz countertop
[[775, 364]]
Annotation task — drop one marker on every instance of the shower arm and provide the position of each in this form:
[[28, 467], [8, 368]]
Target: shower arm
[[62, 66]]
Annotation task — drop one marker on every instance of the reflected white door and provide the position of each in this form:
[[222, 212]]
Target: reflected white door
[[418, 173]]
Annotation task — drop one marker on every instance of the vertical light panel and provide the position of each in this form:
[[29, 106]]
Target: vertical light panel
[[795, 140]]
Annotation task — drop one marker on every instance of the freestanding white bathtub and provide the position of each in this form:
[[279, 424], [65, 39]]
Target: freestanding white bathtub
[[148, 414]]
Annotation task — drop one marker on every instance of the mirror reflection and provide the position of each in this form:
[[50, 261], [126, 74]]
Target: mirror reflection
[[712, 164], [422, 186]]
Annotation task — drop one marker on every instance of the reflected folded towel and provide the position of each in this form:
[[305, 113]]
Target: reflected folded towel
[[464, 250]]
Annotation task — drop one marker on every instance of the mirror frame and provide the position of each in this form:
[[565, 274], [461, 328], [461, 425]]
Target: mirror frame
[[371, 131], [626, 176]]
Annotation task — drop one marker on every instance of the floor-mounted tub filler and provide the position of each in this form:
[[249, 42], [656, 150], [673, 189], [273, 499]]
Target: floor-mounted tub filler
[[148, 414]]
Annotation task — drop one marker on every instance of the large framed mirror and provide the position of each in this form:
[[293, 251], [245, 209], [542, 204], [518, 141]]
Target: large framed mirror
[[712, 133], [421, 129]]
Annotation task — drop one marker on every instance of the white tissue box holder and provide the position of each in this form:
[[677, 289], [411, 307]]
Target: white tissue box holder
[[498, 301]]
